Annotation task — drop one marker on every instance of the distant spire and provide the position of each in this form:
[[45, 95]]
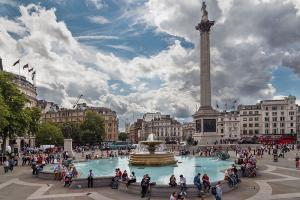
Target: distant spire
[[1, 66]]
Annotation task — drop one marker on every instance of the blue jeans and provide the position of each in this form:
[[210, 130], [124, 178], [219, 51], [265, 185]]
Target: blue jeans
[[218, 198]]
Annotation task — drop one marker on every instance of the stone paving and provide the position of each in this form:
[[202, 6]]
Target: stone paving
[[275, 181]]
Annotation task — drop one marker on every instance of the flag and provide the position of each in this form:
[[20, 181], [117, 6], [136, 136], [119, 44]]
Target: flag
[[18, 61], [30, 70], [33, 75], [25, 66]]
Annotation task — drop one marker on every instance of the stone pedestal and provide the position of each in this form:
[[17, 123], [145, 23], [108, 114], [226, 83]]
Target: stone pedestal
[[206, 125], [68, 146]]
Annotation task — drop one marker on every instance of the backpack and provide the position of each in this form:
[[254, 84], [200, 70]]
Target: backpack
[[214, 190]]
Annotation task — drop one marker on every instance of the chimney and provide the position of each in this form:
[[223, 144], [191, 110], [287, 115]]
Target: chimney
[[1, 66]]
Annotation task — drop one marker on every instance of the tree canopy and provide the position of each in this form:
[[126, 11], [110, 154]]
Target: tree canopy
[[14, 118], [123, 136], [49, 134], [92, 128]]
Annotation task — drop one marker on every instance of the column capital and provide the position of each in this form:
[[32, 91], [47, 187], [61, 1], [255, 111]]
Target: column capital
[[205, 25]]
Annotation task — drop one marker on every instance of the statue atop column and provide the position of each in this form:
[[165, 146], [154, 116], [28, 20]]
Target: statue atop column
[[205, 24]]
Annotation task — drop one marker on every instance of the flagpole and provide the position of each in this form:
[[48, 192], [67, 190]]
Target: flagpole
[[19, 68]]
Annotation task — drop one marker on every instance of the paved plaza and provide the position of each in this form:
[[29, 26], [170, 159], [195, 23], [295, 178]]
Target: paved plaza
[[275, 181]]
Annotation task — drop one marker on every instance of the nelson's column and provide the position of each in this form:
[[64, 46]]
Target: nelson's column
[[206, 117]]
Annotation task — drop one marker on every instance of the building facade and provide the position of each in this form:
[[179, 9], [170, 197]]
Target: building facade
[[188, 129], [250, 120], [279, 116], [62, 115], [228, 125], [28, 89]]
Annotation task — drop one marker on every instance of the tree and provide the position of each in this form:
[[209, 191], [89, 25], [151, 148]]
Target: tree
[[123, 136], [49, 134], [92, 128], [35, 116], [14, 118]]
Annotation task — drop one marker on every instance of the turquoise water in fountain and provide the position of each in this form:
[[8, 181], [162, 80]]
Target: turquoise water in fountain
[[188, 166]]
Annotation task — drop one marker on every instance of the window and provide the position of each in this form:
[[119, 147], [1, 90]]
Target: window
[[292, 130], [282, 113], [274, 113], [251, 132], [244, 113], [274, 119], [244, 125], [281, 131], [281, 118], [282, 107], [274, 131], [267, 114], [222, 130], [274, 107], [274, 125], [267, 131], [250, 113], [244, 119], [267, 108], [291, 113], [256, 119], [292, 124], [250, 125], [244, 131], [292, 118], [266, 125], [256, 131], [266, 119], [256, 125], [281, 124], [251, 119], [256, 112]]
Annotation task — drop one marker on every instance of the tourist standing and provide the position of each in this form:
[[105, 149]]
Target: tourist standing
[[6, 166], [219, 191], [145, 184], [90, 179], [297, 160], [182, 183]]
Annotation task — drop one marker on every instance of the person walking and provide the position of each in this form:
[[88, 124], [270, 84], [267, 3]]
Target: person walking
[[90, 179], [219, 191], [297, 160]]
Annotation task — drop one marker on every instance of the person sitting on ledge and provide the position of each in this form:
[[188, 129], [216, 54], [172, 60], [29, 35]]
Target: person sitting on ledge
[[206, 183], [124, 176], [132, 179], [197, 183], [172, 182]]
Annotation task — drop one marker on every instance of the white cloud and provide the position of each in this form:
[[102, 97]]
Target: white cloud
[[96, 37], [99, 19], [122, 47], [99, 4]]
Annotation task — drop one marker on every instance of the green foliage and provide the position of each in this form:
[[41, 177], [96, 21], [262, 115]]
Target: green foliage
[[123, 136], [35, 115], [14, 118], [93, 128], [49, 134]]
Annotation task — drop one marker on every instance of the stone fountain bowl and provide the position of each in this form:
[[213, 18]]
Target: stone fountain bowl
[[155, 142]]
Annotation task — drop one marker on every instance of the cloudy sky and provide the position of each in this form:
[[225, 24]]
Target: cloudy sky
[[138, 56]]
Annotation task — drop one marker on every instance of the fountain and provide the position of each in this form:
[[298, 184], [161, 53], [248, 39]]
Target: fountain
[[152, 158]]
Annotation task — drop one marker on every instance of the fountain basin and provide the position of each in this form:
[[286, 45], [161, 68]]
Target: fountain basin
[[148, 159]]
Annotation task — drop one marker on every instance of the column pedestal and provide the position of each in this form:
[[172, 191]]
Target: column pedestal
[[68, 146]]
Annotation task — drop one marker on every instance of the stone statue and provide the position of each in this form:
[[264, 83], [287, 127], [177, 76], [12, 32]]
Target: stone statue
[[203, 9]]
